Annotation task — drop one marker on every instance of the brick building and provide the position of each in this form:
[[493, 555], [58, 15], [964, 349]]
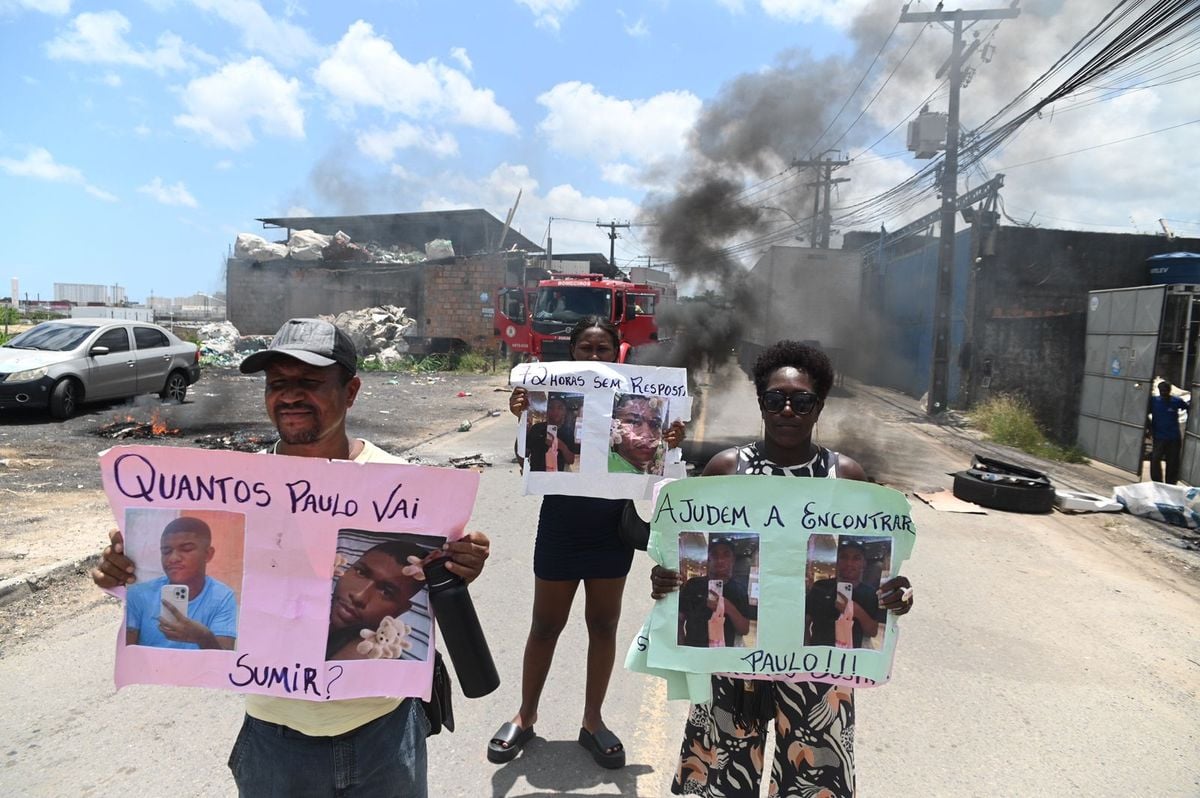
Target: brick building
[[451, 299]]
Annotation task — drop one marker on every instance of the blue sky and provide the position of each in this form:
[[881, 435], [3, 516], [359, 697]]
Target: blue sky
[[140, 137]]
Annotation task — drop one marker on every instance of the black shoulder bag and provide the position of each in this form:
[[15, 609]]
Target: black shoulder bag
[[633, 531], [438, 708]]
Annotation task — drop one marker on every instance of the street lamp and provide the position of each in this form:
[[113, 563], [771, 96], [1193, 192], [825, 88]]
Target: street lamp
[[795, 221]]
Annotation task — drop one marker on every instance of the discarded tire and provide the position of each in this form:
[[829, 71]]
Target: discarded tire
[[994, 466], [982, 488]]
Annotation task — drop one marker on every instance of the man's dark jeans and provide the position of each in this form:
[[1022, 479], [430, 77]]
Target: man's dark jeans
[[384, 759]]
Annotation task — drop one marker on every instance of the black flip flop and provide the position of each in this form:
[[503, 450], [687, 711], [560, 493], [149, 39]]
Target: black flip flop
[[599, 745], [514, 739]]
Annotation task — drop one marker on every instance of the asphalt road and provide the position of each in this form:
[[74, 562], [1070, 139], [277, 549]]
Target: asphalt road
[[1046, 655]]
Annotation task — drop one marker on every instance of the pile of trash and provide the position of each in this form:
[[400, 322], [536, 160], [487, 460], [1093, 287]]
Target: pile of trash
[[222, 346], [378, 335], [308, 245], [378, 332]]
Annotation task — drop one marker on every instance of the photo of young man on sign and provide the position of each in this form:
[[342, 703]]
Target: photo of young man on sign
[[718, 602], [191, 600], [552, 438], [380, 603], [636, 445], [842, 606]]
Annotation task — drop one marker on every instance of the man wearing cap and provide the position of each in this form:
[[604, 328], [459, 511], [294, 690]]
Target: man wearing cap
[[357, 747], [844, 602], [716, 594]]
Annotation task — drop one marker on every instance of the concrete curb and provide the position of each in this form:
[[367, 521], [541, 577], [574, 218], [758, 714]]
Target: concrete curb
[[18, 588]]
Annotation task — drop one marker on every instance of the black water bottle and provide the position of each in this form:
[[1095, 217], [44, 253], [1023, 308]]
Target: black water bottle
[[459, 625]]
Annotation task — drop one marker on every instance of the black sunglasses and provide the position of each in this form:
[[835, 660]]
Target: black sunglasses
[[802, 402]]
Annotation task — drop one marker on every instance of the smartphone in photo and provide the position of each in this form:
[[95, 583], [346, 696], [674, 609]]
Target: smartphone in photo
[[847, 590], [176, 596], [716, 588]]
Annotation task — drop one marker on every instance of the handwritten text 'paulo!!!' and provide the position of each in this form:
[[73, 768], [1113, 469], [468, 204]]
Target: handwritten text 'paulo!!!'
[[138, 478], [690, 511]]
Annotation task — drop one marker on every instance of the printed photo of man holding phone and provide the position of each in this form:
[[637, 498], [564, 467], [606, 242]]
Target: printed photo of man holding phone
[[185, 608], [842, 610]]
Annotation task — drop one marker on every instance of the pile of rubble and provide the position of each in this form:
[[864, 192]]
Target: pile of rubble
[[222, 346], [378, 332], [308, 245]]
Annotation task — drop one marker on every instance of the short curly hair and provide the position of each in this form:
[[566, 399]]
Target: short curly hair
[[802, 357]]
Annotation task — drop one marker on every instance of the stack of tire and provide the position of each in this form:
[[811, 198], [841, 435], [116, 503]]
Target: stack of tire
[[1004, 486]]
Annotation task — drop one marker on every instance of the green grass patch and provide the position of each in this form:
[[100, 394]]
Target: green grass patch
[[1009, 420], [468, 362], [5, 337]]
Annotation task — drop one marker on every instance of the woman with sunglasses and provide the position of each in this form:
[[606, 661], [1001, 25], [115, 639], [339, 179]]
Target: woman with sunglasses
[[577, 541], [723, 749]]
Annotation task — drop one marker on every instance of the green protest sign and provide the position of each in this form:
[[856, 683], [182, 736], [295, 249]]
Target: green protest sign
[[780, 579]]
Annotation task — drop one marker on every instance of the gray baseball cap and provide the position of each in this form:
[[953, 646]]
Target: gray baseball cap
[[311, 341]]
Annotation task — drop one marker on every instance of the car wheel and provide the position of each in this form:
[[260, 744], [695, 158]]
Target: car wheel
[[1014, 497], [176, 388], [65, 398]]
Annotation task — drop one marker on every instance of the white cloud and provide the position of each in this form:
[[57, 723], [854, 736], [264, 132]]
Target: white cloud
[[382, 144], [99, 38], [55, 7], [839, 13], [497, 190], [733, 6], [169, 195], [459, 54], [638, 30], [281, 40], [111, 79], [40, 165], [223, 165], [549, 14], [298, 211], [223, 106], [141, 131], [365, 70], [582, 121]]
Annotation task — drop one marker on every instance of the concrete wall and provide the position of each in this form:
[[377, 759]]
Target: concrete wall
[[444, 298], [1030, 314], [1018, 317]]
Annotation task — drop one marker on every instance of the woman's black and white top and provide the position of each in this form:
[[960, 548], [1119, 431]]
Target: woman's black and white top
[[752, 461]]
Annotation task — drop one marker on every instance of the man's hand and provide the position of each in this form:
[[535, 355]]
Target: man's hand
[[114, 569], [675, 434], [518, 403], [896, 595], [467, 554], [663, 581], [178, 627]]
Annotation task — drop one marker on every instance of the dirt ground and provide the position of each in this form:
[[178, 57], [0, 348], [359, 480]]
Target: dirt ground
[[51, 505]]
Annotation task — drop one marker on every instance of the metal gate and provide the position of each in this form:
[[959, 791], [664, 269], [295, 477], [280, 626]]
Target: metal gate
[[1122, 342], [1189, 460]]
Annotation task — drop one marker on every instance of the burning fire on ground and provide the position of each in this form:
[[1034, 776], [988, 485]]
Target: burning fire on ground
[[129, 427]]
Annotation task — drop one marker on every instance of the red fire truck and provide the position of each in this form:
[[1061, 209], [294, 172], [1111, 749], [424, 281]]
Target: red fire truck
[[538, 324]]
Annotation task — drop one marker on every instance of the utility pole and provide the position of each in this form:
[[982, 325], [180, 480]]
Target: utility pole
[[939, 387], [821, 221], [612, 240]]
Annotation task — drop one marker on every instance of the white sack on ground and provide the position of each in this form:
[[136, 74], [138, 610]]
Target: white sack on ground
[[1177, 505]]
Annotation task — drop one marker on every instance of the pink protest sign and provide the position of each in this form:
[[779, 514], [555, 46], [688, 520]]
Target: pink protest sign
[[293, 577]]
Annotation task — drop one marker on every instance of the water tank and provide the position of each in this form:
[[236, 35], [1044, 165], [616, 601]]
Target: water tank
[[1174, 268]]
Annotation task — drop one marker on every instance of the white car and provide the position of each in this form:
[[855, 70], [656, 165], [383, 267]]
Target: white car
[[62, 364]]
